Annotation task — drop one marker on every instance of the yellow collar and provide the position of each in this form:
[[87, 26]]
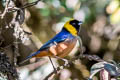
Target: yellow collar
[[70, 28]]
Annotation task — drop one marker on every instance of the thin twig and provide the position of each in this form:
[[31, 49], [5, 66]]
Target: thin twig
[[92, 57], [52, 74], [14, 9], [30, 4], [52, 64], [6, 9]]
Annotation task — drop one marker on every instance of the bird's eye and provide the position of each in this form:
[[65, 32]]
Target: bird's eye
[[74, 23]]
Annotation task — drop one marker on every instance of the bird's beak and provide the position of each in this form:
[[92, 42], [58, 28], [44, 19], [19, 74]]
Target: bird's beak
[[80, 22]]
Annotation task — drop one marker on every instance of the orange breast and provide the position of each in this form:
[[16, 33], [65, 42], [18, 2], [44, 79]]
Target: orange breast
[[61, 49]]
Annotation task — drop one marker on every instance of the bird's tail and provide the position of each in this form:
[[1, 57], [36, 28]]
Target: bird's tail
[[28, 57]]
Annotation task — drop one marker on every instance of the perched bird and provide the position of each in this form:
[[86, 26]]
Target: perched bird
[[62, 44]]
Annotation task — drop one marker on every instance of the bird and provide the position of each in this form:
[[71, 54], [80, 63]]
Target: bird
[[61, 44]]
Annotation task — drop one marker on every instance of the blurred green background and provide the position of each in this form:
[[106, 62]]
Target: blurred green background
[[99, 32]]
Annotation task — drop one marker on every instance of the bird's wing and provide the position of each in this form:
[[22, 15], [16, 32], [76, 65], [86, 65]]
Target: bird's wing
[[52, 42], [57, 39]]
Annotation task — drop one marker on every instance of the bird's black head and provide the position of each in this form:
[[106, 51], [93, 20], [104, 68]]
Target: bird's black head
[[76, 24]]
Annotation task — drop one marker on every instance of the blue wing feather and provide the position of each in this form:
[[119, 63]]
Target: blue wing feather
[[60, 37]]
